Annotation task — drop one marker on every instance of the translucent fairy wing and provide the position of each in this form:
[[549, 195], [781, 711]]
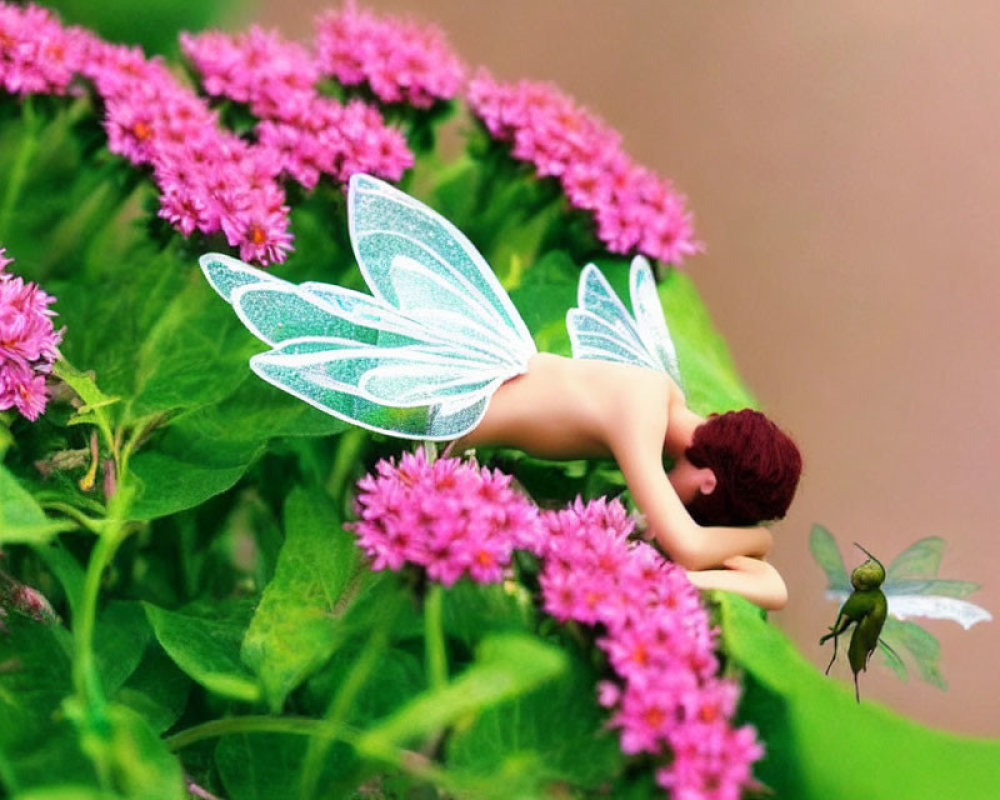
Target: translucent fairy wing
[[279, 311], [351, 382], [225, 274], [602, 328], [418, 358], [595, 337], [650, 321], [422, 265]]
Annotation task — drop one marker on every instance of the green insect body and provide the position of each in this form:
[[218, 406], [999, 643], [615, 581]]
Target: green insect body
[[866, 608]]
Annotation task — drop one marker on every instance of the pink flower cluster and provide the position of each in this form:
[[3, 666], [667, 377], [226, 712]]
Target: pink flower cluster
[[304, 134], [453, 518], [28, 343], [634, 210], [37, 54], [450, 517], [400, 61], [209, 180], [658, 642]]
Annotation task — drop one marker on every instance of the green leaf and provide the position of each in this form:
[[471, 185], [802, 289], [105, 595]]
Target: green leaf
[[120, 641], [472, 609], [543, 297], [825, 552], [266, 766], [506, 665], [821, 744], [556, 733], [205, 644], [170, 482], [95, 409], [711, 383], [66, 792], [22, 520], [150, 328], [157, 690], [38, 745], [295, 628], [144, 766]]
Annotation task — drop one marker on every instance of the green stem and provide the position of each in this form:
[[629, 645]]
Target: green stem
[[300, 726], [19, 171], [435, 655], [405, 760], [91, 524], [85, 678], [347, 692], [348, 453]]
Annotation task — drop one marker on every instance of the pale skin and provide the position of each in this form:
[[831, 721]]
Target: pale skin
[[564, 408]]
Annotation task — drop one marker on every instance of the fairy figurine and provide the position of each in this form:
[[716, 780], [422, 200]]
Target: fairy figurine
[[438, 351]]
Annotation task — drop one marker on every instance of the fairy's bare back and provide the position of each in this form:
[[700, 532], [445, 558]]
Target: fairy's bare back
[[576, 408]]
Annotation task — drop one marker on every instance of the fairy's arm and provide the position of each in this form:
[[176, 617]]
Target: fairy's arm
[[687, 543], [753, 578]]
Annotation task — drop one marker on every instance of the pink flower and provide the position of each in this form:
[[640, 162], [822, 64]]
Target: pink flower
[[634, 211], [257, 67], [449, 516], [658, 642], [306, 135], [28, 343], [400, 61], [454, 519], [37, 55], [210, 180]]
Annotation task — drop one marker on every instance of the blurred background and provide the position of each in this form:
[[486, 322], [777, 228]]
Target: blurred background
[[843, 163]]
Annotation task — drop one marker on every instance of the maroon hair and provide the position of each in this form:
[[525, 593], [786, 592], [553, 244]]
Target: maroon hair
[[756, 466]]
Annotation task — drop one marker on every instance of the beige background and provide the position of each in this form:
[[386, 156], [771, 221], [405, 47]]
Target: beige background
[[843, 161]]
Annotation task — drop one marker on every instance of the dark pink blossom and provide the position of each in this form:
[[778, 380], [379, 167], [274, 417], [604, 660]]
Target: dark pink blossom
[[37, 54], [28, 343], [305, 134], [454, 519], [448, 516], [667, 698], [210, 180], [258, 68], [399, 60], [634, 210]]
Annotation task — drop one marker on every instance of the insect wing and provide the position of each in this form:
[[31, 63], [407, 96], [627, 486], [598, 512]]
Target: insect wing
[[914, 590], [650, 320], [824, 550], [908, 606]]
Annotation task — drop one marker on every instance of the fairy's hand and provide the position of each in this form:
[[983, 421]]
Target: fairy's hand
[[753, 578]]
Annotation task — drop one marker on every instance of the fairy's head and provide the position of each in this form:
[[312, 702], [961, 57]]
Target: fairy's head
[[754, 465]]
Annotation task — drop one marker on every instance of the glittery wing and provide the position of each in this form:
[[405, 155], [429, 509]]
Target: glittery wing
[[420, 356], [417, 262], [355, 357], [601, 328]]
